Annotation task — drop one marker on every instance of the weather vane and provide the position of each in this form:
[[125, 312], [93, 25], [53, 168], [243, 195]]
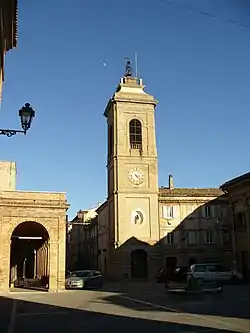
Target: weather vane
[[128, 68]]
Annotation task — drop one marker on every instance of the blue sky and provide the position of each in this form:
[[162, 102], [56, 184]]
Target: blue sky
[[197, 67]]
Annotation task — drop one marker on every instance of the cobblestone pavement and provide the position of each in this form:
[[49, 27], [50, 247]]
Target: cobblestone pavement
[[123, 308]]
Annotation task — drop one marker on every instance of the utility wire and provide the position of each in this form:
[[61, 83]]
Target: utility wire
[[205, 13]]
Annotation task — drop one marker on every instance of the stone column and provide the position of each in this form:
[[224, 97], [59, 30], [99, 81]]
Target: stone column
[[5, 263], [53, 265], [57, 255], [35, 264], [62, 254]]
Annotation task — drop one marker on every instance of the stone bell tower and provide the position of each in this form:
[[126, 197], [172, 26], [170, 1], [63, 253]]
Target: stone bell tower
[[132, 163]]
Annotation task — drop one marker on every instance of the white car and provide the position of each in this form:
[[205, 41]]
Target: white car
[[214, 273], [84, 279]]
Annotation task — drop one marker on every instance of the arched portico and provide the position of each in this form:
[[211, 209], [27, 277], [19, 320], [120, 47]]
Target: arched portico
[[39, 220], [29, 255]]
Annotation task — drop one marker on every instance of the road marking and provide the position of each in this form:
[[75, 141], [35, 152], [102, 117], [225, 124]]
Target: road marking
[[208, 319], [150, 304], [143, 308], [42, 314], [206, 330], [11, 328]]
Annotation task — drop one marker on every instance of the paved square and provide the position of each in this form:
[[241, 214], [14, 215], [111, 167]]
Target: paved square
[[119, 310]]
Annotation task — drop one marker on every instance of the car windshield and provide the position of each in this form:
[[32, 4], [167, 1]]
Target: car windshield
[[79, 274]]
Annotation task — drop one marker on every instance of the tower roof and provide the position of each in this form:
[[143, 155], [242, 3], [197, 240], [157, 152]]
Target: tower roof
[[130, 89]]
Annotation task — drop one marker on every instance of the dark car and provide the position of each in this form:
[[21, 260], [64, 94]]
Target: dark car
[[177, 276], [161, 275]]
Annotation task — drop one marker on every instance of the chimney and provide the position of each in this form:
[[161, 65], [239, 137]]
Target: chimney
[[171, 182]]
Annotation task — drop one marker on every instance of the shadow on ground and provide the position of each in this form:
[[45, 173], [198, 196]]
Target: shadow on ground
[[20, 316], [232, 302]]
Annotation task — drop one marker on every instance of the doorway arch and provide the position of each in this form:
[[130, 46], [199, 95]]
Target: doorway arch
[[139, 263], [29, 256]]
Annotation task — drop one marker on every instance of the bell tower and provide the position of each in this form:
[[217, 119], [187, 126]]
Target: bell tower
[[132, 163]]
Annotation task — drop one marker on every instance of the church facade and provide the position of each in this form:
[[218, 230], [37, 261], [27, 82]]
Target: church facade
[[141, 227]]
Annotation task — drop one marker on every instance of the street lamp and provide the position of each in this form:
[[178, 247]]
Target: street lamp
[[26, 114]]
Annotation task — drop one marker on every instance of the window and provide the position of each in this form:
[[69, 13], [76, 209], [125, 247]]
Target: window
[[207, 212], [213, 268], [223, 211], [80, 274], [192, 237], [200, 268], [137, 217], [226, 237], [135, 134], [218, 268], [221, 269], [240, 221], [209, 237], [169, 212], [169, 237], [110, 140]]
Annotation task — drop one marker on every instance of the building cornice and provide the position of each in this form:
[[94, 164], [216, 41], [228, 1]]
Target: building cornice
[[37, 204]]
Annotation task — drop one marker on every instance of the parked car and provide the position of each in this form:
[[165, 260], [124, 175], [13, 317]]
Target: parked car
[[161, 276], [165, 275], [67, 273], [181, 281], [178, 278], [215, 273], [84, 279]]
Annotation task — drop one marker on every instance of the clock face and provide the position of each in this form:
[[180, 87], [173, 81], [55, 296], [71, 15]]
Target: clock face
[[135, 176]]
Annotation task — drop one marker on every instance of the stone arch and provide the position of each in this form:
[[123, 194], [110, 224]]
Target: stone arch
[[135, 127], [17, 223], [135, 117], [29, 255]]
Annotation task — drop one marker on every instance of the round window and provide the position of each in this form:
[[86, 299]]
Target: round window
[[137, 217]]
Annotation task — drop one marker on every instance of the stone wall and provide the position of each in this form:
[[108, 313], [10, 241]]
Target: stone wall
[[45, 208]]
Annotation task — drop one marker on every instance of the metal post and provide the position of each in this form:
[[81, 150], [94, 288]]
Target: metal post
[[24, 268], [35, 264]]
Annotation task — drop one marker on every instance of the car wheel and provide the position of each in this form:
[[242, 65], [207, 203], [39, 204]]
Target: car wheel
[[85, 285], [234, 280]]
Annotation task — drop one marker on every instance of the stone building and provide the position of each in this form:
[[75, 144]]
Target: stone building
[[139, 225], [80, 240], [8, 32], [238, 191], [32, 237], [194, 226], [7, 175]]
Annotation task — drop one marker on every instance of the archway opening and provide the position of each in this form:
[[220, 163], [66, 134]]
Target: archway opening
[[139, 264], [29, 256]]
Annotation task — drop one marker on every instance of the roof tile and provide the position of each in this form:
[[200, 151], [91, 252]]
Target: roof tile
[[190, 192]]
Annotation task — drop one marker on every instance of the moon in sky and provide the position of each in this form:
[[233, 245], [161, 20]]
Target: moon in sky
[[104, 64]]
